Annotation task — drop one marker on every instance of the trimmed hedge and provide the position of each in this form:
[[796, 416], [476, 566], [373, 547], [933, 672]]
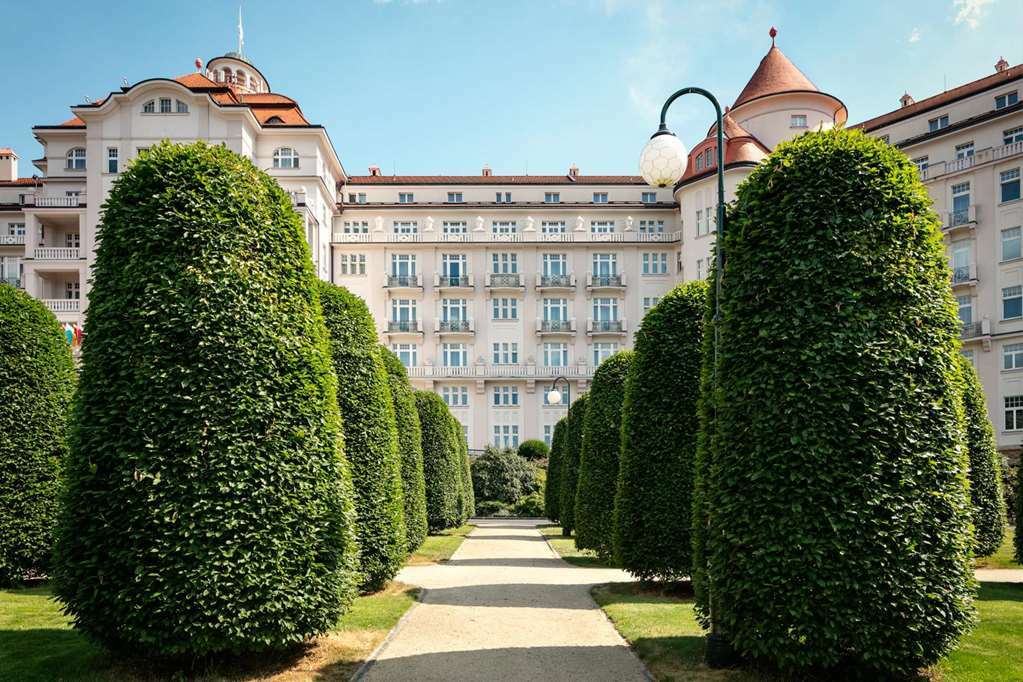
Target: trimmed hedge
[[569, 473], [466, 498], [533, 450], [987, 501], [598, 460], [1018, 537], [370, 434], [706, 441], [37, 380], [207, 504], [503, 475], [839, 514], [653, 506], [410, 447], [552, 491], [441, 469]]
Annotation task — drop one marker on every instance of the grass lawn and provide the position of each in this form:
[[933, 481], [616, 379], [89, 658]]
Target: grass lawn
[[440, 547], [36, 643], [1003, 557], [662, 629], [566, 548]]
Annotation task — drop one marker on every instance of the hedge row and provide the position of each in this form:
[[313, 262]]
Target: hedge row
[[442, 468], [466, 498], [569, 468], [552, 491]]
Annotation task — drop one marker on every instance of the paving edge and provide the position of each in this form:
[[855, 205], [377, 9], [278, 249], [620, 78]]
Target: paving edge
[[372, 658]]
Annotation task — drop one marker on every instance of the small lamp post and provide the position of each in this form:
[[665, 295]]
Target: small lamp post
[[554, 395]]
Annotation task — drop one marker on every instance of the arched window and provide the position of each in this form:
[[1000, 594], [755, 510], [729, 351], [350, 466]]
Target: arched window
[[285, 157], [274, 119], [180, 107], [76, 159], [149, 107], [228, 77]]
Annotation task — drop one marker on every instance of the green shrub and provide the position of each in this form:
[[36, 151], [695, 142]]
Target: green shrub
[[533, 450], [1018, 537], [410, 447], [370, 434], [839, 515], [441, 468], [706, 441], [207, 504], [598, 460], [1009, 473], [552, 491], [466, 497], [493, 508], [987, 501], [569, 473], [653, 507], [531, 506], [502, 475], [37, 380]]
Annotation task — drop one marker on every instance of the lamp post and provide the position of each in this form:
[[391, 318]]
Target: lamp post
[[554, 395], [662, 164]]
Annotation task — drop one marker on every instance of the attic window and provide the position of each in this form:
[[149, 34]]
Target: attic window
[[180, 107], [275, 119], [149, 107], [165, 106]]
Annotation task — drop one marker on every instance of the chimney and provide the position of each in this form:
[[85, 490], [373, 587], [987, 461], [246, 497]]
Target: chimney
[[374, 170], [1002, 65], [8, 165], [573, 171], [906, 100], [486, 171]]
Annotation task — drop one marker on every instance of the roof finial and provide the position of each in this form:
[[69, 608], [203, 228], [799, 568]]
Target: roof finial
[[241, 32], [773, 32]]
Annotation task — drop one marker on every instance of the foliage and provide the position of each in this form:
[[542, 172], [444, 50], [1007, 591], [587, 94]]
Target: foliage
[[466, 495], [502, 475], [370, 434], [837, 496], [653, 506], [533, 450], [1018, 540], [598, 461], [552, 491], [207, 504], [569, 469], [441, 468], [410, 449], [1010, 473], [531, 505], [987, 501], [37, 379], [487, 508]]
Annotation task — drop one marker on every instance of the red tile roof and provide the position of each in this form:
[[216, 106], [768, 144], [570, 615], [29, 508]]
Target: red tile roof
[[776, 74], [21, 182], [740, 147], [495, 180], [73, 122]]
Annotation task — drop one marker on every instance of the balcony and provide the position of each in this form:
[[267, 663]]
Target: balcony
[[57, 253], [404, 327], [982, 156], [437, 236], [962, 219], [605, 281], [555, 281], [975, 330], [12, 240], [11, 281], [55, 201], [964, 276], [551, 327], [481, 371], [452, 282], [63, 305], [403, 282], [606, 327], [455, 327], [504, 280]]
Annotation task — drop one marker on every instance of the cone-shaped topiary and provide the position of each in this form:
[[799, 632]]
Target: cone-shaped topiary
[[839, 512], [37, 380], [1018, 537], [410, 447], [441, 468], [598, 460], [653, 507], [533, 450], [208, 502], [371, 438], [570, 462], [466, 499], [552, 491]]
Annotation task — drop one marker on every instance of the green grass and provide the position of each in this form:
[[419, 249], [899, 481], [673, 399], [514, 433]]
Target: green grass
[[566, 549], [37, 643], [441, 546], [1003, 557], [661, 627]]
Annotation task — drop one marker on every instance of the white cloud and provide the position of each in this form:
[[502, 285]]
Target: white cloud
[[970, 11], [914, 35]]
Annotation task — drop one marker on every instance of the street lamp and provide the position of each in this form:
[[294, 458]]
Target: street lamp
[[554, 395], [662, 164]]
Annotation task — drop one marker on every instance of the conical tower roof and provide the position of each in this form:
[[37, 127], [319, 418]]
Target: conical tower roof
[[776, 74]]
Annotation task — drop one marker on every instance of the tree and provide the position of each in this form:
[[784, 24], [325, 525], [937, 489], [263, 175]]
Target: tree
[[827, 539], [533, 450], [987, 501], [1018, 537], [467, 497], [370, 433], [37, 380], [653, 505], [441, 469], [552, 491], [207, 504], [502, 475], [598, 460], [410, 447], [570, 463]]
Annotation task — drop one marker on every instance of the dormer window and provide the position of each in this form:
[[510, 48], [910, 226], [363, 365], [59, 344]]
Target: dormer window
[[937, 123], [699, 162], [149, 107], [1006, 100], [76, 159], [274, 120], [285, 157], [165, 105], [180, 107]]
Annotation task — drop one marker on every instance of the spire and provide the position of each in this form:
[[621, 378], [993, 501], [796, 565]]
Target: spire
[[774, 75], [241, 32]]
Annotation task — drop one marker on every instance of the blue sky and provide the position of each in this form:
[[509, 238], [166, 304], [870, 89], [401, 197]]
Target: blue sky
[[444, 86]]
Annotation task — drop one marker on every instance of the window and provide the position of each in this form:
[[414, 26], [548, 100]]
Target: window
[[139, 151], [552, 227], [454, 265], [552, 197], [605, 265], [403, 265], [76, 159], [649, 302], [455, 355], [506, 435], [548, 431], [555, 264], [408, 353], [1013, 412], [602, 226], [709, 215], [16, 229], [1011, 243], [506, 396], [600, 197], [1012, 356], [403, 310], [353, 264], [937, 123], [455, 396], [1012, 135], [884, 138], [699, 162], [405, 227], [165, 105], [72, 291], [506, 308], [968, 354], [964, 150], [359, 198], [649, 197], [356, 227], [149, 107], [1006, 100], [454, 309], [555, 355], [605, 309], [455, 197], [921, 163], [655, 263], [563, 389], [112, 153], [962, 255], [455, 227], [699, 223], [602, 351], [503, 198], [1010, 184], [797, 121], [651, 227], [708, 157], [960, 203], [1012, 303], [285, 157], [506, 353], [180, 107], [504, 227], [965, 309], [505, 263], [555, 309], [406, 198]]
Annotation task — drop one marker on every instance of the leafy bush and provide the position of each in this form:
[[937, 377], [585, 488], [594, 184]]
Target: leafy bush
[[37, 380], [410, 448], [987, 501], [466, 497], [493, 508], [531, 505], [552, 491], [569, 471], [706, 442], [207, 504], [502, 475], [653, 507], [1010, 472], [839, 524], [533, 450], [598, 461], [370, 435], [1018, 537], [441, 468]]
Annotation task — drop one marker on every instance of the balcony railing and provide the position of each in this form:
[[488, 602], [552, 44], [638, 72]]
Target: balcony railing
[[452, 281], [63, 305], [986, 155], [11, 281], [965, 274], [504, 279], [555, 326], [961, 217], [404, 326], [605, 281], [454, 327], [57, 253], [55, 201], [382, 237], [12, 240], [404, 282], [555, 281], [605, 326], [500, 371], [972, 330]]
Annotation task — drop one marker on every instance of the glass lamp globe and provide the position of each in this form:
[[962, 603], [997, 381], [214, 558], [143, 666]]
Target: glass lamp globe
[[554, 397], [663, 160]]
